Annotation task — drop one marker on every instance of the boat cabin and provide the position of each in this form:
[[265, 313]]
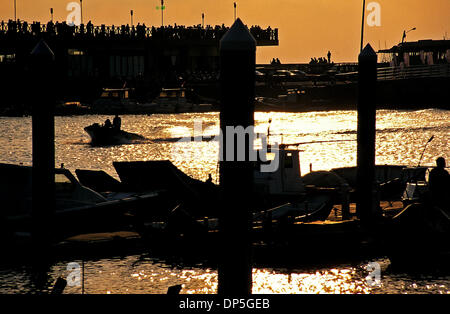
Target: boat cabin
[[286, 179], [422, 52], [116, 93], [113, 100], [172, 96]]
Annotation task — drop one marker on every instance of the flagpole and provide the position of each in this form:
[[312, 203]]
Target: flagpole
[[362, 26], [162, 13], [81, 11]]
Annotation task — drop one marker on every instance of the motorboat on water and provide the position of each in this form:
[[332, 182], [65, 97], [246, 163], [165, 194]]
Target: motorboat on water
[[106, 135], [78, 208]]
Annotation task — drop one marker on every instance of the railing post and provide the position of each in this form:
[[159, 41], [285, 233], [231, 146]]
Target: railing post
[[237, 82]]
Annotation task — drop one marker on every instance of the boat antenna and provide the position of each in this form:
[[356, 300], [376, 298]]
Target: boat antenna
[[421, 156], [268, 130]]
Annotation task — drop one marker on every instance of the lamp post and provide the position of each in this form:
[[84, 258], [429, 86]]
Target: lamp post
[[362, 26], [162, 13], [51, 14], [203, 20], [131, 17], [15, 11], [235, 11], [81, 11], [406, 32]]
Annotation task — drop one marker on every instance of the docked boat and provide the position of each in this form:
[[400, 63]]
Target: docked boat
[[71, 108], [78, 208], [418, 237], [175, 100], [104, 135], [113, 100]]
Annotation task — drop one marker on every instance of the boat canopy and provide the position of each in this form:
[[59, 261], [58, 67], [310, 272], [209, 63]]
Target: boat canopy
[[427, 52]]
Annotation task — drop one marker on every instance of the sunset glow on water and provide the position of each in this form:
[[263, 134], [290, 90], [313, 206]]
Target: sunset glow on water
[[401, 136]]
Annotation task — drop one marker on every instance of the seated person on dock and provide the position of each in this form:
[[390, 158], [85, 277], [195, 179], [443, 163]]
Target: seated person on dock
[[439, 181]]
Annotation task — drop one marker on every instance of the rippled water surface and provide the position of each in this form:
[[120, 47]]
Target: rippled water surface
[[401, 136]]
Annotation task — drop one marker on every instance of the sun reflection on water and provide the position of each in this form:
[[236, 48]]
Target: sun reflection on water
[[329, 281], [401, 136]]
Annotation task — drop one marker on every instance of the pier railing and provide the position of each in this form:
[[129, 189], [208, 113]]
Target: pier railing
[[25, 30], [415, 71]]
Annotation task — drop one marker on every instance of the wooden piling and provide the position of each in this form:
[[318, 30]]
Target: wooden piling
[[365, 175], [237, 82], [43, 134]]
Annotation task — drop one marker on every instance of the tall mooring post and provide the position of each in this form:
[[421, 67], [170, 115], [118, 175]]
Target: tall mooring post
[[367, 203], [237, 82], [43, 173]]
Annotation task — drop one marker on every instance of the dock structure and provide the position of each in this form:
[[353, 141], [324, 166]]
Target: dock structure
[[90, 57]]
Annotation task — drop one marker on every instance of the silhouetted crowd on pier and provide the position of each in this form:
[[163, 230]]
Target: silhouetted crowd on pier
[[139, 31], [275, 61], [318, 61], [321, 60], [264, 34]]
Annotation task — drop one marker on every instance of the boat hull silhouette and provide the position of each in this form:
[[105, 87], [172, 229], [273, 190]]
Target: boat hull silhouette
[[101, 135]]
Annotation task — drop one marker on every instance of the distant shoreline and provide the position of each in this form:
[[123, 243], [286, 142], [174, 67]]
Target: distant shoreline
[[310, 108]]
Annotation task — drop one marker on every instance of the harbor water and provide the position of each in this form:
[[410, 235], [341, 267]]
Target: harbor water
[[401, 137]]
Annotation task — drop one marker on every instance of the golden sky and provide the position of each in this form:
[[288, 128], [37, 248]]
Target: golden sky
[[307, 28]]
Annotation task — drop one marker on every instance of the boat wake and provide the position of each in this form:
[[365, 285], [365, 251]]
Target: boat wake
[[209, 138], [77, 142], [404, 129]]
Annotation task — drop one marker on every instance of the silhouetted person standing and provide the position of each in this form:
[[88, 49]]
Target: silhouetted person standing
[[209, 181], [117, 122], [439, 181]]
